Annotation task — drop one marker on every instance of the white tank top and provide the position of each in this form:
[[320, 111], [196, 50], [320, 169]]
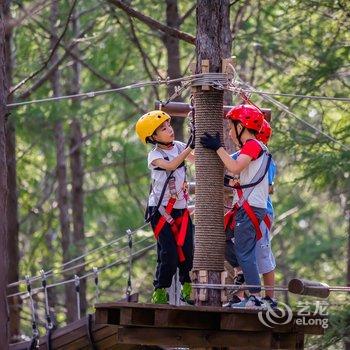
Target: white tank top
[[258, 196]]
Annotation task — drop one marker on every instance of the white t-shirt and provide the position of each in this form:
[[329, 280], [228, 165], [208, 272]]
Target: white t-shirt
[[259, 195], [159, 176]]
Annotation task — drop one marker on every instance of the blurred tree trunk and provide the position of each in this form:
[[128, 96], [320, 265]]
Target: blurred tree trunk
[[173, 60], [62, 192], [77, 171], [12, 196], [4, 331]]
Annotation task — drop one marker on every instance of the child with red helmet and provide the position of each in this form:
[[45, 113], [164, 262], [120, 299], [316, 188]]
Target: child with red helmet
[[252, 193], [264, 256]]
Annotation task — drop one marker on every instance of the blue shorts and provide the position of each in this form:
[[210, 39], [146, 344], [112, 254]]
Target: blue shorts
[[263, 253], [265, 259]]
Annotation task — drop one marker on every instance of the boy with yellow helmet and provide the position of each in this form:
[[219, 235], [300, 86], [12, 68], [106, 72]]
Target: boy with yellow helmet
[[167, 204]]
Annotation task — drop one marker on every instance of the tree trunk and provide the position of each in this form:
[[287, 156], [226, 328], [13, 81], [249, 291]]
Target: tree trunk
[[77, 172], [173, 57], [211, 44], [12, 197], [62, 192], [4, 334]]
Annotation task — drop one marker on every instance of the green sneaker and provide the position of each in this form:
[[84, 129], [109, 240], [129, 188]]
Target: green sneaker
[[186, 293], [159, 296]]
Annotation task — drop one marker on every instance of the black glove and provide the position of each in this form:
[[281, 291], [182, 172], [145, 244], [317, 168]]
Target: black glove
[[211, 142]]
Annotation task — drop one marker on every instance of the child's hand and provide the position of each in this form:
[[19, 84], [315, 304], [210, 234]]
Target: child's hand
[[211, 142]]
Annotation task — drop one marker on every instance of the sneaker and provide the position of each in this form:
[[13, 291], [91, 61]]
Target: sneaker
[[235, 299], [252, 302], [160, 296], [186, 292], [270, 303]]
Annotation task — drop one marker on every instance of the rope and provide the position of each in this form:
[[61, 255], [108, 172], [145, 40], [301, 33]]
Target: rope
[[49, 324], [51, 272], [129, 288], [97, 289], [77, 291], [344, 289], [34, 325], [209, 175], [237, 287]]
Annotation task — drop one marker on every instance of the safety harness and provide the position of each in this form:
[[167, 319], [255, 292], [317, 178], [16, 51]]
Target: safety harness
[[229, 218], [179, 225]]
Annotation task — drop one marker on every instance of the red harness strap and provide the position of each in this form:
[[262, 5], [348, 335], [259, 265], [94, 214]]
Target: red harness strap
[[267, 221], [229, 218], [248, 209], [178, 227]]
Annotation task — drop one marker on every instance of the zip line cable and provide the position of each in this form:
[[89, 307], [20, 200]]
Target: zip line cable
[[311, 97], [238, 86], [89, 274], [51, 272], [196, 80]]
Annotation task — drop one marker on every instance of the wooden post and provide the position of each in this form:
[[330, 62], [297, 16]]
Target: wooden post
[[212, 21], [306, 287], [3, 188]]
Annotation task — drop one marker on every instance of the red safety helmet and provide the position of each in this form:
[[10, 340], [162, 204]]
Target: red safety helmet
[[265, 132], [248, 115]]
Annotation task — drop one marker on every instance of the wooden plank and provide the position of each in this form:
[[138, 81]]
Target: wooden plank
[[136, 317], [205, 69], [284, 341], [245, 322], [187, 319], [194, 338], [107, 315]]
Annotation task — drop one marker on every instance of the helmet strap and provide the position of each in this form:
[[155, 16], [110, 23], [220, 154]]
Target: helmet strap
[[154, 142], [239, 134], [167, 144]]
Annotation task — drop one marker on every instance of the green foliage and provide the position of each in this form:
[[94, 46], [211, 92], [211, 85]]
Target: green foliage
[[290, 47]]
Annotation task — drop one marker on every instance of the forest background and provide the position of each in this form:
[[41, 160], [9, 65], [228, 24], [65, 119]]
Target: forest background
[[78, 177]]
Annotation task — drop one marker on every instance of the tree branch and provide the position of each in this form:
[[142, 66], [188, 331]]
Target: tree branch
[[54, 49], [187, 14], [54, 66], [153, 23]]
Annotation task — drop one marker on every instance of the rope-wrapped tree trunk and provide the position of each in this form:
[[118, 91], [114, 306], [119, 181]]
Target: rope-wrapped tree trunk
[[211, 43]]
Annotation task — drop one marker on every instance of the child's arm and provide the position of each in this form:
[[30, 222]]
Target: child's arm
[[234, 166], [170, 165]]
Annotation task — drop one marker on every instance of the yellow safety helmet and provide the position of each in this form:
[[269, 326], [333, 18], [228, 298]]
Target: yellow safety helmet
[[149, 122]]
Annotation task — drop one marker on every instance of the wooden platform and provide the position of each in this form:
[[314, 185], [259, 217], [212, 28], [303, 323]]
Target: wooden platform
[[188, 326], [132, 326]]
